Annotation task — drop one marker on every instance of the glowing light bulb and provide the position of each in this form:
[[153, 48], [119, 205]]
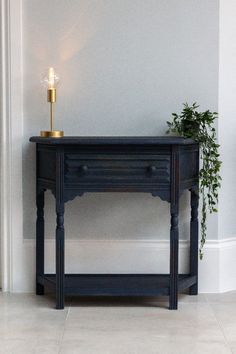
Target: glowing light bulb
[[50, 79]]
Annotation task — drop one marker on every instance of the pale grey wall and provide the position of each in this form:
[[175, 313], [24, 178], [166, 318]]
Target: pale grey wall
[[125, 65], [227, 94]]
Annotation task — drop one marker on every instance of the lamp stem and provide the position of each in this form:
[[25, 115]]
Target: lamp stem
[[51, 116], [51, 97]]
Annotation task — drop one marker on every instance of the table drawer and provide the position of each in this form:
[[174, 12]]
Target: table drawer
[[116, 168]]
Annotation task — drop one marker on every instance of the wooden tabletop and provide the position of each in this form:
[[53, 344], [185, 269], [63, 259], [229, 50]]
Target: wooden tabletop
[[114, 140]]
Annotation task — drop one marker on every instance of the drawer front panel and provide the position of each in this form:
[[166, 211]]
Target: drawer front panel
[[81, 169]]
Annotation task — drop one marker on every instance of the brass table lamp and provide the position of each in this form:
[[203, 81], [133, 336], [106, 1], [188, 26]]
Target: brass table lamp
[[51, 81]]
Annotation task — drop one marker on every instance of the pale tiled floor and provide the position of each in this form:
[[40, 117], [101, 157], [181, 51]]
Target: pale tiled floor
[[203, 324]]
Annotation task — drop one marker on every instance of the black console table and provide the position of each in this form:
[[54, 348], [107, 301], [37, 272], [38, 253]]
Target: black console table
[[72, 166]]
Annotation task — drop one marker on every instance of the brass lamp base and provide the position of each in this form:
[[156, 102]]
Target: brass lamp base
[[52, 134]]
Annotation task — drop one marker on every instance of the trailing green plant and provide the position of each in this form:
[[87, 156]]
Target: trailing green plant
[[191, 123]]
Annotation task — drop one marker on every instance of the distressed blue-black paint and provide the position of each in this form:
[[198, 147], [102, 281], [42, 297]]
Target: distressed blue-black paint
[[72, 166]]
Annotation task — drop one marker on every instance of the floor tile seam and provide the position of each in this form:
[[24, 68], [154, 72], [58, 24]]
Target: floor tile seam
[[63, 332], [221, 329], [207, 299]]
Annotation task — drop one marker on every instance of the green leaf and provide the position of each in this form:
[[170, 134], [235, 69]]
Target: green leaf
[[200, 126]]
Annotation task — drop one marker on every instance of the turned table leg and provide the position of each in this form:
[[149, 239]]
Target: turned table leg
[[39, 240], [174, 229], [60, 229], [174, 252], [193, 290], [60, 258]]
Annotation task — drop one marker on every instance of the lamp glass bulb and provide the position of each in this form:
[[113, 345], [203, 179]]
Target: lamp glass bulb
[[50, 79]]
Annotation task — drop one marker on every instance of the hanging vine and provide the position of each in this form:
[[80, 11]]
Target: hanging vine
[[191, 123]]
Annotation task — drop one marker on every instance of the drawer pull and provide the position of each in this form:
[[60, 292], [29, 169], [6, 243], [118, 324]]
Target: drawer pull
[[83, 169], [151, 170]]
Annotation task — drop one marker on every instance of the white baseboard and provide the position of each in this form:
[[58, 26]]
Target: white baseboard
[[216, 272], [227, 265]]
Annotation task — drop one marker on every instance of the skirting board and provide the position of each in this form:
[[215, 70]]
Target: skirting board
[[217, 272]]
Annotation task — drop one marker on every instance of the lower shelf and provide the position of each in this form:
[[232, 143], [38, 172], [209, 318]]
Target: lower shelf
[[117, 284]]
